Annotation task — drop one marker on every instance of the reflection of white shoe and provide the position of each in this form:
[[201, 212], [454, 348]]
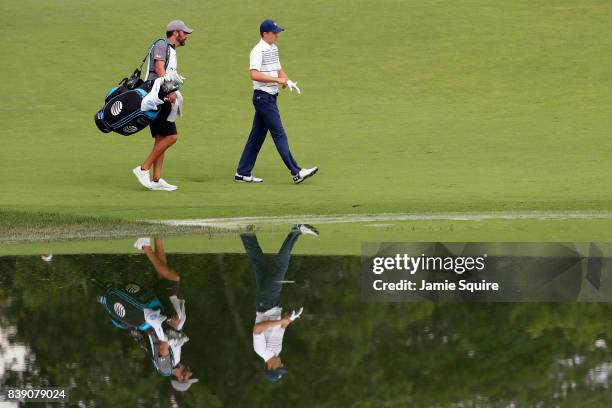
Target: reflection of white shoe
[[141, 243], [142, 176], [162, 185], [307, 229], [304, 174]]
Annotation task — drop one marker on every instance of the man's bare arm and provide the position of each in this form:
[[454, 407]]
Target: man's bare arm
[[160, 71], [259, 77], [258, 328], [160, 68], [282, 74]]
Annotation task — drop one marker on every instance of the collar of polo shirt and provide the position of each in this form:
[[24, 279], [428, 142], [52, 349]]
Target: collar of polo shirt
[[265, 44]]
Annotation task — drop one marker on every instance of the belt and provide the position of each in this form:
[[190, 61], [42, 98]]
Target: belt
[[260, 92]]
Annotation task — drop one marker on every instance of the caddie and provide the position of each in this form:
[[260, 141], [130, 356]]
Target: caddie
[[162, 59]]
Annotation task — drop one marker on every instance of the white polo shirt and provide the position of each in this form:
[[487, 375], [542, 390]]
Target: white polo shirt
[[269, 343], [264, 58]]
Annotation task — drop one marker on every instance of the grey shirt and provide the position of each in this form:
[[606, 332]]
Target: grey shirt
[[159, 51]]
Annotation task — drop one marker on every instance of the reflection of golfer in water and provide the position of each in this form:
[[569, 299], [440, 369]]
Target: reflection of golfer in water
[[269, 326], [165, 346]]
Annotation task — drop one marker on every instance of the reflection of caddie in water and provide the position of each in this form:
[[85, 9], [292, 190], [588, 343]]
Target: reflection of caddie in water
[[167, 357], [155, 319], [269, 326]]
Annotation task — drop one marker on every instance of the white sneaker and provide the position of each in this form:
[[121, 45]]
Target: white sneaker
[[304, 174], [162, 185], [239, 178], [141, 243], [307, 229], [142, 176]]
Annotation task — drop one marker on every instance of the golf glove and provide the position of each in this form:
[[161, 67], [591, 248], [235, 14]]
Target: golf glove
[[174, 77], [293, 85], [295, 315]]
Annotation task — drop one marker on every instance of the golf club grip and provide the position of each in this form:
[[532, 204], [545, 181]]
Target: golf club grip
[[162, 94]]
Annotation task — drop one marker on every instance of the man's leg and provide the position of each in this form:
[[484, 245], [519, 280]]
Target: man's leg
[[256, 256], [252, 146], [165, 135], [284, 255], [268, 289], [156, 157], [157, 166], [272, 119], [161, 268], [159, 249]]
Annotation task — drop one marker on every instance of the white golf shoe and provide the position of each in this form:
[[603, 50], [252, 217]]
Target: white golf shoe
[[141, 243], [307, 229], [162, 185], [142, 176], [239, 178], [304, 174]]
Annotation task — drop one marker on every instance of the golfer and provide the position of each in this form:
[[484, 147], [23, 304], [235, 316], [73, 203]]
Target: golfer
[[267, 74], [270, 324], [162, 59]]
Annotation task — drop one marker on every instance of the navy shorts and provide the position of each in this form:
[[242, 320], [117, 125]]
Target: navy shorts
[[160, 126]]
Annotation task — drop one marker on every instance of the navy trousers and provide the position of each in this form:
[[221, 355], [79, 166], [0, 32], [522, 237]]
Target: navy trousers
[[267, 117], [268, 277]]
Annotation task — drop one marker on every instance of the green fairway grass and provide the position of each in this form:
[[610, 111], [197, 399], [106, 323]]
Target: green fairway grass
[[406, 106]]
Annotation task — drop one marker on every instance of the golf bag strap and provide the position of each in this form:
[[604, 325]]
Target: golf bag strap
[[151, 49], [138, 71]]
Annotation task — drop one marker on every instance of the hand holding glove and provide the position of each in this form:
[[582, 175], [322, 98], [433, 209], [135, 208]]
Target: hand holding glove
[[296, 315], [174, 78], [293, 85]]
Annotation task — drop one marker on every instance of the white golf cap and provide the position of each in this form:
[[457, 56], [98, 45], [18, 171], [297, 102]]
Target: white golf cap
[[178, 25]]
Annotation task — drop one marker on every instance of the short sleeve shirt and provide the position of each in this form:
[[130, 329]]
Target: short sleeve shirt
[[269, 343], [265, 59], [159, 51]]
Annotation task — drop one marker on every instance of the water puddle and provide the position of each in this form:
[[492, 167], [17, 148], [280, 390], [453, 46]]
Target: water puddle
[[263, 317]]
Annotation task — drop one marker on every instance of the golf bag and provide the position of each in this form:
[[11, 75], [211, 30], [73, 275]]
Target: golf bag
[[121, 111], [125, 305]]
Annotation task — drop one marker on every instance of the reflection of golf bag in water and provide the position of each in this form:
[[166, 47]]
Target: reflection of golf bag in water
[[141, 313]]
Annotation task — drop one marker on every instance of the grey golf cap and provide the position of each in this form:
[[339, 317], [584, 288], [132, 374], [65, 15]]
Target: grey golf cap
[[178, 25], [183, 385]]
